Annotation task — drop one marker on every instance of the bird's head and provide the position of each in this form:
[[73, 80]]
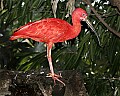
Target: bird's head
[[80, 14]]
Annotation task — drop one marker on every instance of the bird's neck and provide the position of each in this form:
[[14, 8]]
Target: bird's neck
[[76, 25]]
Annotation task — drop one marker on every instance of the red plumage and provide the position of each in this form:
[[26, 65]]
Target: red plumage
[[50, 31], [46, 30]]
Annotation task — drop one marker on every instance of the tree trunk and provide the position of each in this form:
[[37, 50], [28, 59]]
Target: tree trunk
[[35, 83]]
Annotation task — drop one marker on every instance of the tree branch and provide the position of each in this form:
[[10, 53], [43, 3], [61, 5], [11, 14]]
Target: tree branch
[[99, 17], [35, 82]]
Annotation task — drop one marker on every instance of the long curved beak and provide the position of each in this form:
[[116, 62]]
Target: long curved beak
[[90, 25]]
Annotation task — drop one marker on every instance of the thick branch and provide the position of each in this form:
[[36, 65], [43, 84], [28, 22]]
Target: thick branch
[[99, 17], [35, 83]]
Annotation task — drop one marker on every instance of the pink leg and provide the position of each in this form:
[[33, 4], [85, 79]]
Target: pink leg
[[49, 47], [52, 74]]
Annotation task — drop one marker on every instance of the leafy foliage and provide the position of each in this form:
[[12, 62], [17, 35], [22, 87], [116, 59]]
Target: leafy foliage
[[99, 65]]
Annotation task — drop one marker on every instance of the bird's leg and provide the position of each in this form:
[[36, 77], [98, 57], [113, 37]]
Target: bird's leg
[[49, 47], [52, 74]]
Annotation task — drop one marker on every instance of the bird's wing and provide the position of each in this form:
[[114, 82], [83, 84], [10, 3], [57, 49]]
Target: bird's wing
[[44, 30]]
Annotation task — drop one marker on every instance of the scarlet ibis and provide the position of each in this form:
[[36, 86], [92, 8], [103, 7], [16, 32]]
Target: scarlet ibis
[[53, 30]]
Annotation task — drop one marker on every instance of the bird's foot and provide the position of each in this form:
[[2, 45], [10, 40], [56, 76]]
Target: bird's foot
[[56, 77]]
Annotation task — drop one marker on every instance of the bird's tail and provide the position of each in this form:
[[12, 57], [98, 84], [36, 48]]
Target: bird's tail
[[13, 37], [17, 35]]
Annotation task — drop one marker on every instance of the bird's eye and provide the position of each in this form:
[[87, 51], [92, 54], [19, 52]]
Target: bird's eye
[[83, 14]]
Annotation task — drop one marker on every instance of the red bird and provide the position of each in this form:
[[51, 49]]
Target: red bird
[[53, 30]]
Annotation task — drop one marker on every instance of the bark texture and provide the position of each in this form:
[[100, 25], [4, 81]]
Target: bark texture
[[35, 83]]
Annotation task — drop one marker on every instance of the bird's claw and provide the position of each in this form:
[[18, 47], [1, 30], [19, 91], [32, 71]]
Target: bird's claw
[[55, 77]]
